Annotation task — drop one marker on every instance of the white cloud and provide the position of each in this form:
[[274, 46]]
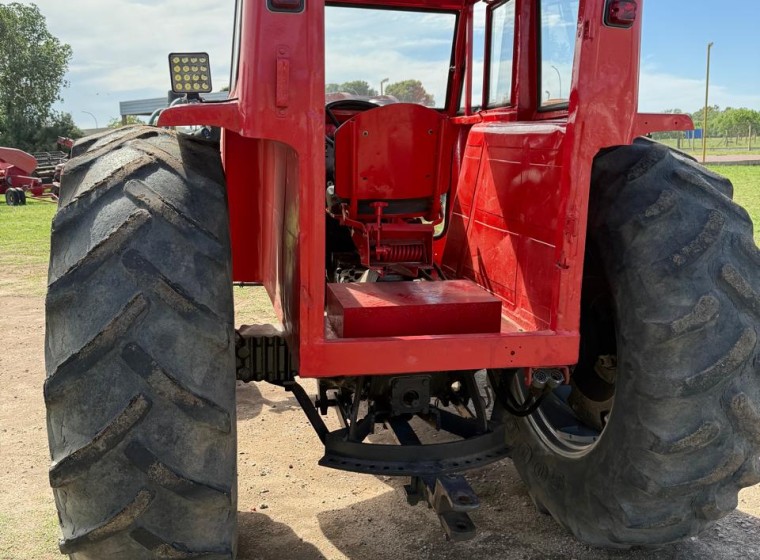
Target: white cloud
[[389, 44], [660, 90], [121, 47]]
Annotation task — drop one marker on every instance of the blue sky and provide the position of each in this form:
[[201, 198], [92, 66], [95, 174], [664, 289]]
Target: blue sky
[[675, 46], [120, 49]]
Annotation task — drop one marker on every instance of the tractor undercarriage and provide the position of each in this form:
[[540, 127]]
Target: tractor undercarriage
[[443, 423]]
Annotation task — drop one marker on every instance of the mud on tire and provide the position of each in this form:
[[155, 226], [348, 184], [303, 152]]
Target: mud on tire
[[683, 436], [140, 386]]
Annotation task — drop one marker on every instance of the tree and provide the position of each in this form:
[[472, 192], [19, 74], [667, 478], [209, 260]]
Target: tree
[[45, 137], [33, 64], [410, 91], [713, 116], [356, 87], [42, 136], [118, 123], [737, 122]]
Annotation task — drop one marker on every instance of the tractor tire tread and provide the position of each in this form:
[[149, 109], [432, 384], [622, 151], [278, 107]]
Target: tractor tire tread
[[142, 427]]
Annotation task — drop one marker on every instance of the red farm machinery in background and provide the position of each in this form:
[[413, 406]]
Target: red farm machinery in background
[[504, 262], [16, 169], [50, 164], [37, 176]]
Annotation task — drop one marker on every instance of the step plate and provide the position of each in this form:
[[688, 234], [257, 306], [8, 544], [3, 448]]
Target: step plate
[[390, 309]]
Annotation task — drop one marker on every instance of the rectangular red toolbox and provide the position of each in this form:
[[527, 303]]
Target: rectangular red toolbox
[[389, 309]]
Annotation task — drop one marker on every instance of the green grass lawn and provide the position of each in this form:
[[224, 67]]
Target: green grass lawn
[[25, 232], [717, 147], [746, 180], [25, 247]]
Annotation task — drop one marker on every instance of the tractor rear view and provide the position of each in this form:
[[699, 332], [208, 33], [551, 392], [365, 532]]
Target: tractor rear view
[[512, 269]]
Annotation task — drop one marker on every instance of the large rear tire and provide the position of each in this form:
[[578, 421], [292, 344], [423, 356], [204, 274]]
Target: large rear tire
[[683, 434], [140, 357]]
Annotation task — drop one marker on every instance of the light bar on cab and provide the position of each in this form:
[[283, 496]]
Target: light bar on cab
[[191, 72]]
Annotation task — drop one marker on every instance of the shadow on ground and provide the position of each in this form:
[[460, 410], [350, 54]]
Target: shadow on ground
[[509, 528], [250, 401], [261, 538]]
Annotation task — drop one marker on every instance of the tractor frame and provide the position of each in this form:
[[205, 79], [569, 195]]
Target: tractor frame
[[277, 126]]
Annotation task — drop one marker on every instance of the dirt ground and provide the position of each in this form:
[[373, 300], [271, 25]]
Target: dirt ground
[[289, 507], [734, 159]]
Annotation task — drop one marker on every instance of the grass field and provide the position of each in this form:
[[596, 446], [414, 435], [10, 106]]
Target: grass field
[[25, 235], [25, 245], [746, 180], [717, 146]]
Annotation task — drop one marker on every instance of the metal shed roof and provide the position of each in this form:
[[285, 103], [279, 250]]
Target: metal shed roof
[[148, 106]]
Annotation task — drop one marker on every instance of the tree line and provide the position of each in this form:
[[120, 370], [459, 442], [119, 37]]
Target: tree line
[[721, 123], [406, 91]]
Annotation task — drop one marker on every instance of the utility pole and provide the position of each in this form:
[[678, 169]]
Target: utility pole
[[93, 118], [707, 100], [382, 85]]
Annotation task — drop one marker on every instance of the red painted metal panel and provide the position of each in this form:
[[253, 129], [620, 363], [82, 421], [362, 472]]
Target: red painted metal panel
[[226, 115], [242, 163], [491, 261], [508, 209], [537, 281], [653, 122], [469, 179], [389, 153], [521, 178], [411, 309], [383, 356]]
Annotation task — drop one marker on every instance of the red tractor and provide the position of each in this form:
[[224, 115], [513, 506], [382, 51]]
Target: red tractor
[[514, 267]]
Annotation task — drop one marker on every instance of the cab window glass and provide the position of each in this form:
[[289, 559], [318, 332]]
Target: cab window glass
[[400, 53], [502, 50], [559, 21], [478, 55]]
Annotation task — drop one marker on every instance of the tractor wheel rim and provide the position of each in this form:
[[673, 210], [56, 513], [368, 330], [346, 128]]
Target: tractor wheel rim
[[558, 426]]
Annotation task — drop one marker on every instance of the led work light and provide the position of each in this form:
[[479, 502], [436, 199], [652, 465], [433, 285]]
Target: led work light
[[191, 72]]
